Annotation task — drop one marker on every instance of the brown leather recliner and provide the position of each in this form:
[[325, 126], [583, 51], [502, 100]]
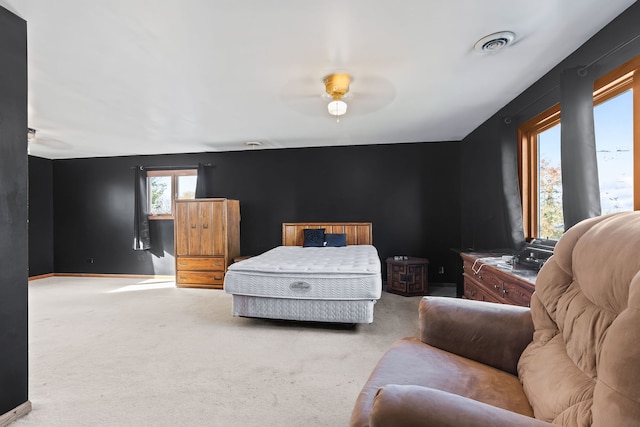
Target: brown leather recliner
[[573, 359]]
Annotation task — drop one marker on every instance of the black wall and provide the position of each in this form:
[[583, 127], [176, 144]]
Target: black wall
[[489, 154], [13, 212], [40, 216], [409, 191]]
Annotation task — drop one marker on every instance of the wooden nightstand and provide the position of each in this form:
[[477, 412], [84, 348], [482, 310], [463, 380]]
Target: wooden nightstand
[[408, 277]]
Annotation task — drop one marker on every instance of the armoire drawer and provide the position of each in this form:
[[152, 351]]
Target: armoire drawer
[[200, 277], [197, 263]]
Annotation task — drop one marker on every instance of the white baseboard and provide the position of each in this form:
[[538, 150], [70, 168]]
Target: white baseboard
[[11, 416], [123, 276]]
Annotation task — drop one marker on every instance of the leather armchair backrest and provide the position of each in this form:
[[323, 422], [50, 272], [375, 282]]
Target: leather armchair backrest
[[583, 365]]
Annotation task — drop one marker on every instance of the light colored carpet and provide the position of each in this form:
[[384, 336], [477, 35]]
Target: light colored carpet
[[130, 352]]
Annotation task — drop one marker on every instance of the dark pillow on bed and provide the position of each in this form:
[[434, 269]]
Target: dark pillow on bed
[[313, 237], [335, 240]]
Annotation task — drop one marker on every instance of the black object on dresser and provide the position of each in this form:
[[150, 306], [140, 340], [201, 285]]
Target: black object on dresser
[[407, 276]]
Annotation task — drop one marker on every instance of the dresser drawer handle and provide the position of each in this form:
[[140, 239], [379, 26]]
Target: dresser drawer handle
[[183, 263], [217, 277]]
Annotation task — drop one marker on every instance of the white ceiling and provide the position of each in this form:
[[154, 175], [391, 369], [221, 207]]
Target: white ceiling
[[129, 77]]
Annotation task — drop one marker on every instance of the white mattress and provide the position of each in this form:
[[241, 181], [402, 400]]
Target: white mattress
[[294, 272]]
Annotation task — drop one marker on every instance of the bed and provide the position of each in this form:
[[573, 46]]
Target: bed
[[339, 283]]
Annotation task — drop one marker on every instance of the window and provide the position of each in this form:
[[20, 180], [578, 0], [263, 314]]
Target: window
[[617, 129], [616, 102], [614, 144], [164, 187], [550, 220], [540, 175]]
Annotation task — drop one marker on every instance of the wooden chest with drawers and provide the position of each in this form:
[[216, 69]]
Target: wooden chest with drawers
[[485, 281]]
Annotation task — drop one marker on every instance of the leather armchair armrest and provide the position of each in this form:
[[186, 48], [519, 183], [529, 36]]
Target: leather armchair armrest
[[490, 333], [413, 406]]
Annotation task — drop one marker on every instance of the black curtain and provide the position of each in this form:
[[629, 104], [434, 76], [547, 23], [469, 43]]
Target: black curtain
[[204, 182], [510, 184], [141, 238], [580, 186]]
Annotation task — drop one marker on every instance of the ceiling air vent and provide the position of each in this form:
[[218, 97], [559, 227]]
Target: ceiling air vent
[[494, 42]]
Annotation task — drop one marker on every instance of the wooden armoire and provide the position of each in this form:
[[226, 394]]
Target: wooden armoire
[[207, 239]]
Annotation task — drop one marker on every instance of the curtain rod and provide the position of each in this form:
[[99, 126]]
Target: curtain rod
[[507, 119], [582, 71], [173, 167]]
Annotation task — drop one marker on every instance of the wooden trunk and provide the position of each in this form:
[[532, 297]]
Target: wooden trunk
[[408, 277]]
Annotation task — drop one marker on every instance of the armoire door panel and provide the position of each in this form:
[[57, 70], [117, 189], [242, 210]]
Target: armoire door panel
[[218, 223], [206, 227], [181, 224], [194, 228]]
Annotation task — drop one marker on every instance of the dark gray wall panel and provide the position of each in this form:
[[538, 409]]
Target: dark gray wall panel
[[409, 191], [13, 212], [40, 216]]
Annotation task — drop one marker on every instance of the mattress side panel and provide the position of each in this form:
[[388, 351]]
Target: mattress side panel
[[304, 286]]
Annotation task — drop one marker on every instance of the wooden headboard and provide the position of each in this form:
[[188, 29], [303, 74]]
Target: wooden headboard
[[358, 233]]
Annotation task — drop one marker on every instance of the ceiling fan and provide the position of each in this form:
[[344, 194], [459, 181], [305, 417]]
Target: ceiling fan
[[369, 93]]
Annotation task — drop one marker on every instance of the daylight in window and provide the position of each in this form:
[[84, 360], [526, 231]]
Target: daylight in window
[[164, 187], [614, 145], [160, 195], [186, 186], [550, 217]]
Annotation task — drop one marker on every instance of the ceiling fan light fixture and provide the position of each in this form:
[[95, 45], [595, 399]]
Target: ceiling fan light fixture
[[337, 107], [337, 86]]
